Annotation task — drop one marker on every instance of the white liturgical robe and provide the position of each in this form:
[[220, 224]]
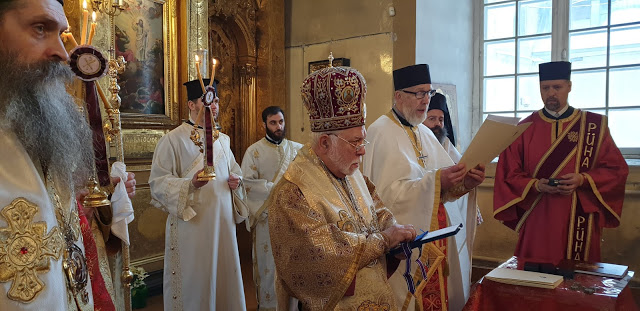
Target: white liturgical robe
[[410, 188], [32, 242], [201, 263], [453, 153], [262, 167]]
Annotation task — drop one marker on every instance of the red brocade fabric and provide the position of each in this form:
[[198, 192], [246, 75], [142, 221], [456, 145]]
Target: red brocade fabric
[[334, 98], [101, 298], [583, 293], [431, 295]]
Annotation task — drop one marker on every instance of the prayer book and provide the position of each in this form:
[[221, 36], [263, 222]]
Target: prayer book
[[524, 278], [602, 269], [431, 236], [493, 137]]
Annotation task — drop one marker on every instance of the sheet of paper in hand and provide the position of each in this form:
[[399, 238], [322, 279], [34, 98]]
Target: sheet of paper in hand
[[494, 136], [430, 237]]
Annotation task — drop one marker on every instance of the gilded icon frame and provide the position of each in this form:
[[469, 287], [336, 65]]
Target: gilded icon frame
[[170, 117]]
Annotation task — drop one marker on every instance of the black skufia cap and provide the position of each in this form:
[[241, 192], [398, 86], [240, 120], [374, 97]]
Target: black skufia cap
[[194, 89], [439, 101], [410, 76], [555, 71]]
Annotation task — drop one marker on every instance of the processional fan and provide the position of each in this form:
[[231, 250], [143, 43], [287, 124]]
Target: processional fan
[[89, 65]]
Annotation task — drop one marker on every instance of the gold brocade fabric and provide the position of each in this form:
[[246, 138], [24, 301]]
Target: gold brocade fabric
[[26, 250], [322, 242]]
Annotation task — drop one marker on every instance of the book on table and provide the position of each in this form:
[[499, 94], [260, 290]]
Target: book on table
[[524, 278], [601, 269]]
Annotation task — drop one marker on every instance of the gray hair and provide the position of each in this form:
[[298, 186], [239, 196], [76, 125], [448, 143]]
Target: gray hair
[[315, 137], [36, 108]]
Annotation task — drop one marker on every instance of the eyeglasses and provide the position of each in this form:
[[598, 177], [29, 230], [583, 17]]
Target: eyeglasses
[[357, 147], [421, 94]]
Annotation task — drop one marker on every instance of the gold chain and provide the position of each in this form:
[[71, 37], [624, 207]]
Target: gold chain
[[350, 201], [418, 137], [74, 261]]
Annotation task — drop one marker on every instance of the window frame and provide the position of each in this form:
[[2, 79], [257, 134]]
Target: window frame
[[560, 32]]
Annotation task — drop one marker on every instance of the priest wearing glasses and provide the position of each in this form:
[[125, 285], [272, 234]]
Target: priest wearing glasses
[[415, 177], [330, 232]]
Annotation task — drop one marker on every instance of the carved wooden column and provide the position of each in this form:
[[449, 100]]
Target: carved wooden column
[[249, 105]]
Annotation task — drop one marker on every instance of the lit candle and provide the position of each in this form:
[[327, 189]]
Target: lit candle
[[68, 36], [213, 71], [92, 31], [120, 3], [198, 72], [85, 19]]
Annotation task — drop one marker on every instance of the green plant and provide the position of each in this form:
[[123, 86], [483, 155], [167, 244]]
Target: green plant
[[139, 291]]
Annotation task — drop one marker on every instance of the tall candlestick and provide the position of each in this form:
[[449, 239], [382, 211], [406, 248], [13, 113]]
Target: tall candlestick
[[107, 104], [198, 72], [213, 71], [85, 20], [92, 31]]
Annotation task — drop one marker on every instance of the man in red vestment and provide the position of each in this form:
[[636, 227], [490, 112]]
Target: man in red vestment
[[563, 180]]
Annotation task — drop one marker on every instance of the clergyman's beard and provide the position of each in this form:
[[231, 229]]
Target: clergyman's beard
[[412, 116], [552, 104], [36, 107], [440, 132], [277, 136], [338, 159]]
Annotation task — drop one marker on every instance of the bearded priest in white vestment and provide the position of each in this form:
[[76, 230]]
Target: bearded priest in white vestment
[[45, 158], [263, 164], [416, 177], [201, 263], [439, 122]]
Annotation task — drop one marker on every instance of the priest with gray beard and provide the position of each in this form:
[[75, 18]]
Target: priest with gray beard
[[45, 160]]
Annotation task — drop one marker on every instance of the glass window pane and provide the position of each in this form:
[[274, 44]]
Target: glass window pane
[[499, 94], [620, 92], [529, 93], [588, 89], [524, 114], [534, 17], [588, 49], [625, 11], [504, 114], [624, 127], [499, 21], [494, 1], [533, 51], [625, 45], [499, 58], [588, 13]]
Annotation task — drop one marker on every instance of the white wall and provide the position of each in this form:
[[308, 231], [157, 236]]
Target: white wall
[[444, 38]]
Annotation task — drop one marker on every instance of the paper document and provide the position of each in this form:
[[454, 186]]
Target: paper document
[[524, 278], [493, 137]]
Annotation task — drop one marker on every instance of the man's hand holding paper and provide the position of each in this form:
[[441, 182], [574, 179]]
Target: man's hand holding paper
[[474, 177], [494, 136]]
